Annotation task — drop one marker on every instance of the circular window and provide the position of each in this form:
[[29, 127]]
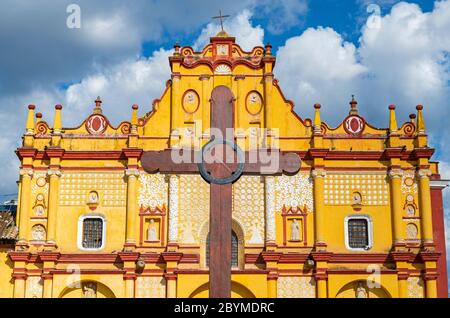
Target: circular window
[[190, 101], [254, 103]]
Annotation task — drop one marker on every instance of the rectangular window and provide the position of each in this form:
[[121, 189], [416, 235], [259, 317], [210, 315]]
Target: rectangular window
[[92, 233], [358, 233]]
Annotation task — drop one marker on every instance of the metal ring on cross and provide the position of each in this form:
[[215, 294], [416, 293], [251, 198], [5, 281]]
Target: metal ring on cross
[[234, 175]]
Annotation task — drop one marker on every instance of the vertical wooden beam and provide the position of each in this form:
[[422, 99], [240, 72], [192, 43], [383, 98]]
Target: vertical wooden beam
[[220, 203], [220, 241]]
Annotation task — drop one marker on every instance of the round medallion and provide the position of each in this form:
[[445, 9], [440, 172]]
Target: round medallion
[[410, 198], [39, 210], [191, 101], [41, 182], [227, 173], [354, 125], [411, 231], [253, 103], [96, 124], [410, 210], [40, 197], [409, 182]]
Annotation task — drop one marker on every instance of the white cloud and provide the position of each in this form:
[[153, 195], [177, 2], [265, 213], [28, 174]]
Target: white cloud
[[39, 51], [403, 60], [317, 66]]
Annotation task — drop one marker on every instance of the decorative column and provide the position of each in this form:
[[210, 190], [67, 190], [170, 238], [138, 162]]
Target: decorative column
[[318, 153], [205, 104], [171, 259], [271, 258], [430, 274], [426, 216], [319, 217], [321, 272], [240, 102], [129, 265], [53, 196], [19, 284], [19, 275], [395, 182], [174, 181], [24, 213], [132, 176], [26, 155], [175, 101], [49, 263], [268, 60], [401, 260], [270, 212], [132, 153], [28, 139]]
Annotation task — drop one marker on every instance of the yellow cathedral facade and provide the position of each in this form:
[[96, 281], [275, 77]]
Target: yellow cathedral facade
[[362, 218]]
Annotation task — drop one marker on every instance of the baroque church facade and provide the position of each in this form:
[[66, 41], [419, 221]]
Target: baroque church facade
[[363, 217]]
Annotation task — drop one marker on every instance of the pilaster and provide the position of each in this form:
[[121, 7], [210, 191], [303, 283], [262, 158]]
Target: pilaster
[[171, 259]]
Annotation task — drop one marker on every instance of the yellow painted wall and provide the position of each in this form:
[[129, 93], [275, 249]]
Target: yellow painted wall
[[154, 127], [6, 266]]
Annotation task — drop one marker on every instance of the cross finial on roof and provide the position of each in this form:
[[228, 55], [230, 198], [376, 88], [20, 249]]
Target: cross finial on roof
[[221, 17]]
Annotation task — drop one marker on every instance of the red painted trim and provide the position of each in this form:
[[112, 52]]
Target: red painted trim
[[26, 152], [49, 256], [359, 258], [171, 256], [88, 258], [293, 258], [321, 256], [132, 152], [54, 152], [402, 256], [439, 239], [89, 271], [268, 256], [19, 256], [128, 256], [7, 245], [359, 271]]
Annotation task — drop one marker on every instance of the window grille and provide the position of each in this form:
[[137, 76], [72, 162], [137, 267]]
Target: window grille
[[358, 235], [234, 250], [92, 233]]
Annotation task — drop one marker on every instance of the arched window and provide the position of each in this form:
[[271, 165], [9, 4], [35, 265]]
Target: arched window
[[234, 250], [358, 232], [91, 232]]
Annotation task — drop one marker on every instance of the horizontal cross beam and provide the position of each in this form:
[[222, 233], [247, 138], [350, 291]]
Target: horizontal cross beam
[[271, 162]]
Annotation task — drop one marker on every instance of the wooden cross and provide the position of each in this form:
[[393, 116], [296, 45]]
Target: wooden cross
[[221, 17], [222, 117]]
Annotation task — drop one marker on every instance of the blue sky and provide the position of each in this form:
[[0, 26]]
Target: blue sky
[[327, 50]]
